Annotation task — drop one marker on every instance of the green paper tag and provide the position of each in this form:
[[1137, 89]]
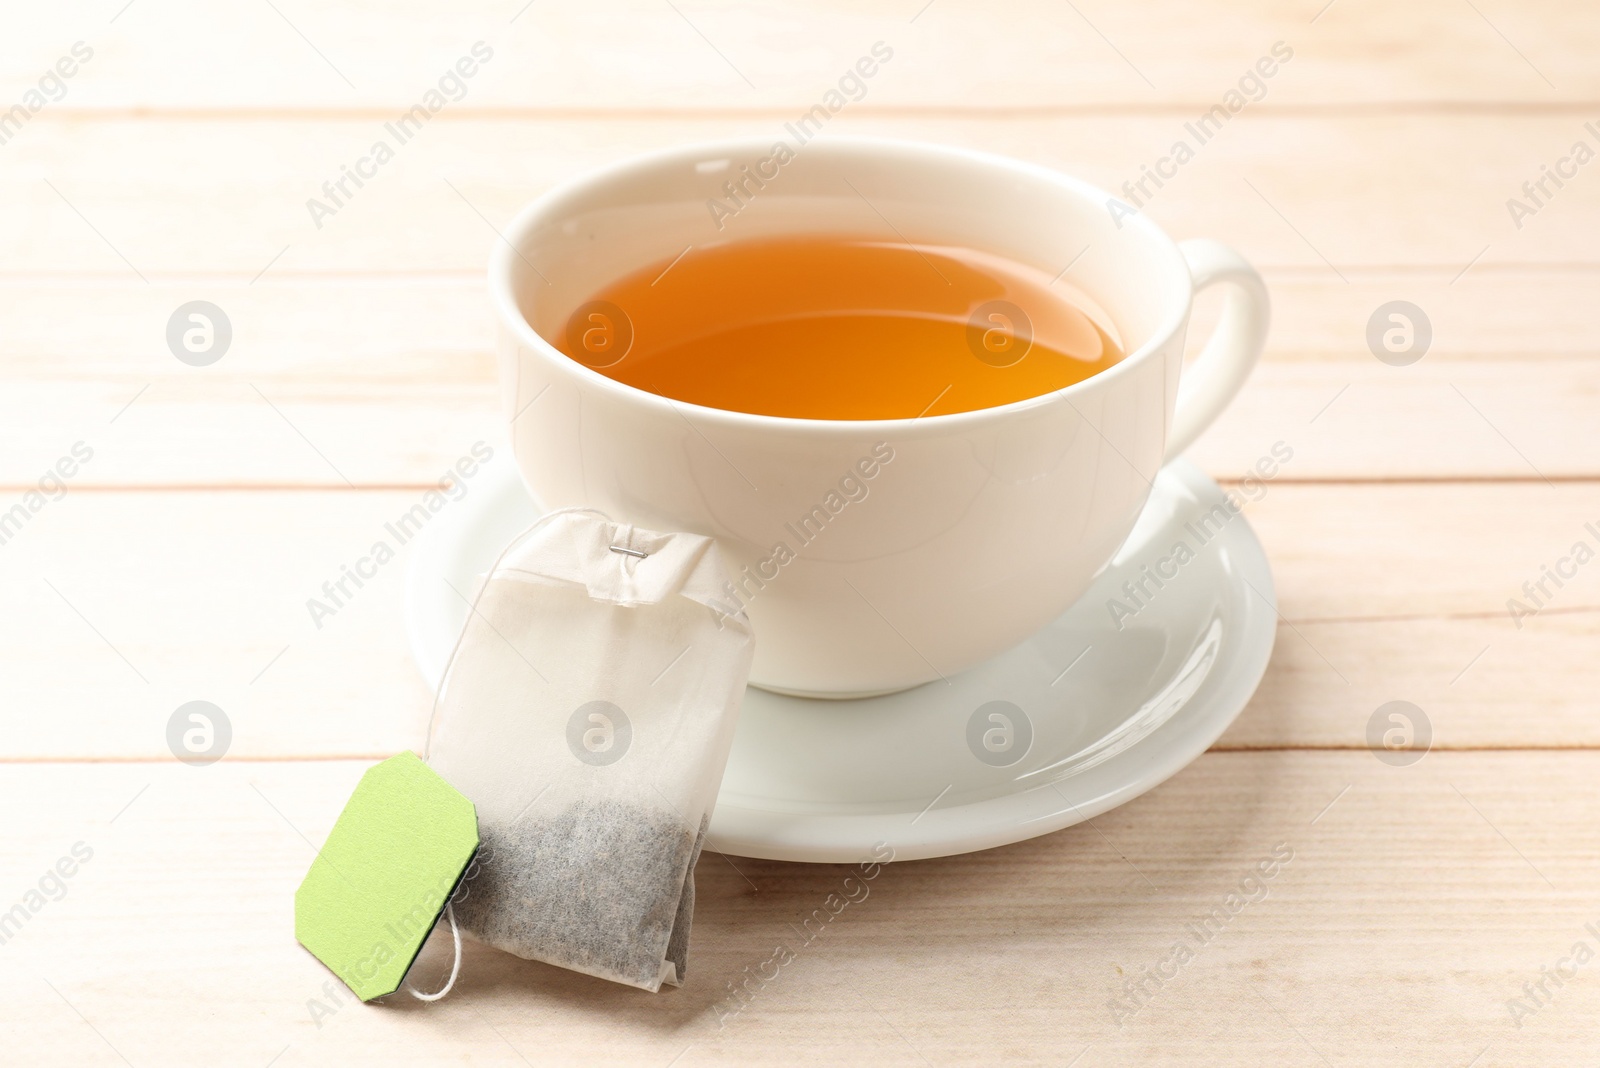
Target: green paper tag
[[382, 878]]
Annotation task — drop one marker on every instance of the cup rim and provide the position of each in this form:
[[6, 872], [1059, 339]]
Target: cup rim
[[503, 259]]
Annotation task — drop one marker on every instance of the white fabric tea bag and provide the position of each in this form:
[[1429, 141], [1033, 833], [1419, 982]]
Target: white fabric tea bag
[[587, 713]]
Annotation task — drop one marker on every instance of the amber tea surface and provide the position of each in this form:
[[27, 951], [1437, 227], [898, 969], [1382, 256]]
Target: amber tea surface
[[820, 327]]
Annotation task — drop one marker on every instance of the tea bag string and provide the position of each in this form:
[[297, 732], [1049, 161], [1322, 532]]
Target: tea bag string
[[455, 968]]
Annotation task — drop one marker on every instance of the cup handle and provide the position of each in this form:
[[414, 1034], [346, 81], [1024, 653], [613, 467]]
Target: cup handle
[[1228, 358]]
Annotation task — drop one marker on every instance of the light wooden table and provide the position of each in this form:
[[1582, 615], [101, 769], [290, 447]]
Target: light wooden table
[[1419, 901]]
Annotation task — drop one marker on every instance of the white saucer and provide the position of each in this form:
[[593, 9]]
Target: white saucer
[[1106, 714]]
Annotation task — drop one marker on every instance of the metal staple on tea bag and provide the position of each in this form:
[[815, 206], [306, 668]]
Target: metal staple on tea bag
[[630, 552]]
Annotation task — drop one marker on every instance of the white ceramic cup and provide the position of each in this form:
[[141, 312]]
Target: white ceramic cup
[[981, 527]]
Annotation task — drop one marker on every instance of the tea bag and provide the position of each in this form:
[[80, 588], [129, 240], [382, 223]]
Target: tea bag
[[587, 713]]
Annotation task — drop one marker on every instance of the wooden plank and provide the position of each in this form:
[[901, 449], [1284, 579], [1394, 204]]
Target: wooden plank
[[438, 326], [1523, 312], [1287, 191], [124, 605], [1358, 419], [1480, 682], [949, 54], [1346, 419], [1408, 551], [386, 377], [129, 605], [1353, 948], [264, 431]]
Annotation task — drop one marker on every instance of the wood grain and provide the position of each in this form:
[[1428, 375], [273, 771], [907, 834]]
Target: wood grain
[[949, 55], [1330, 193], [1376, 167], [438, 327], [124, 605], [389, 379], [1350, 419], [1371, 945]]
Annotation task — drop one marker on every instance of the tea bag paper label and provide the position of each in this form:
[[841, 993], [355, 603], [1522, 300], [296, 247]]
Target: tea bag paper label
[[384, 875]]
